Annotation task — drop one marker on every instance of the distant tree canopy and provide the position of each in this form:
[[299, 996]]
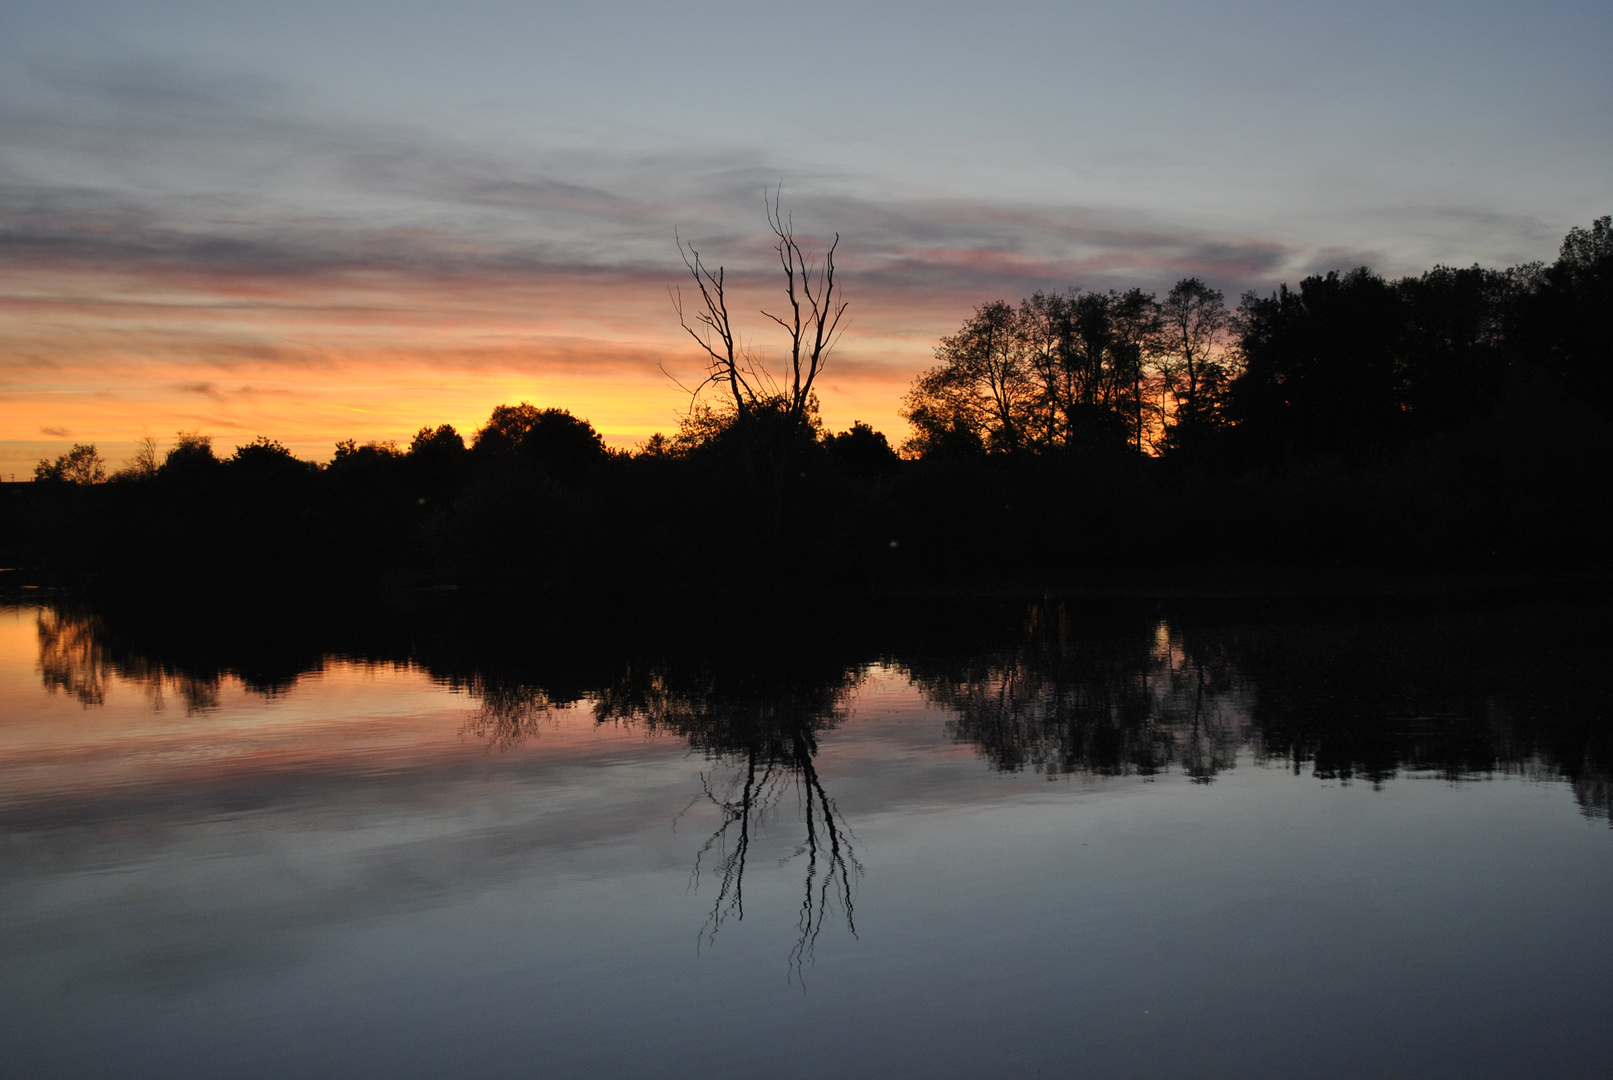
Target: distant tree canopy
[[1091, 371], [191, 455], [1564, 316], [1341, 363], [80, 465], [861, 451], [439, 444], [527, 433], [264, 460]]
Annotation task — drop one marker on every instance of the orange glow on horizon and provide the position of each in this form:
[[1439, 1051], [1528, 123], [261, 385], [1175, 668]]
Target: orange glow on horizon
[[107, 358]]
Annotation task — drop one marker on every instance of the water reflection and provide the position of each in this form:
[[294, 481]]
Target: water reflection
[[759, 727], [1051, 686], [72, 657], [1460, 694], [764, 719], [831, 863], [522, 844], [75, 658], [1059, 702], [754, 715], [507, 714]]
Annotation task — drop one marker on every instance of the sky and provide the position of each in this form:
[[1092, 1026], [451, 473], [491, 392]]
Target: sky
[[319, 221]]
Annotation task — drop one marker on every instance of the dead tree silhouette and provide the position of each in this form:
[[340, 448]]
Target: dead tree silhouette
[[771, 413]]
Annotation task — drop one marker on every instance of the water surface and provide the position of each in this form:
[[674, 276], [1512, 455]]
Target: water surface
[[1044, 839]]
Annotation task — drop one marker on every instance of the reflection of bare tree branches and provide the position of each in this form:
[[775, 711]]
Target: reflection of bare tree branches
[[831, 863], [508, 713], [1450, 695], [840, 864], [770, 723], [736, 816]]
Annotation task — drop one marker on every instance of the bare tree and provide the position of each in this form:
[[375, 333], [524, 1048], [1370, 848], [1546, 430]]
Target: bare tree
[[143, 465], [770, 412]]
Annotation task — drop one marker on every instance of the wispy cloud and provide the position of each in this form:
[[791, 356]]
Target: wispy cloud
[[145, 166]]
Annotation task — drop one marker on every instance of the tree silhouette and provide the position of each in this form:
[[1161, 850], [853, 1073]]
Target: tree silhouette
[[1193, 325], [190, 456], [1564, 319], [1063, 370], [1322, 365], [143, 465], [551, 437], [771, 412], [983, 390], [80, 465]]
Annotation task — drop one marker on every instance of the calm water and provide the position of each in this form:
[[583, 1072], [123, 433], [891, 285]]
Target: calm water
[[1034, 840]]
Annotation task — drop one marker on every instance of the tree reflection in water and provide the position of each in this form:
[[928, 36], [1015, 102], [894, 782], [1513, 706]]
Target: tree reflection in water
[[72, 656], [78, 656], [1460, 693], [507, 713], [830, 870], [760, 717], [764, 719], [758, 712], [1060, 703]]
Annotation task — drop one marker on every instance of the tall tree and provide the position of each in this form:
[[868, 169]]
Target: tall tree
[[1061, 370], [1452, 355], [1195, 320], [1046, 325], [772, 412], [983, 391], [1134, 328]]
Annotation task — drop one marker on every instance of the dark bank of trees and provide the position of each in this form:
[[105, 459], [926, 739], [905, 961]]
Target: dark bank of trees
[[532, 501], [1347, 363], [1457, 420]]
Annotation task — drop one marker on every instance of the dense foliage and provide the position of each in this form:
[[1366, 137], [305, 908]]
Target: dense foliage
[[1346, 363]]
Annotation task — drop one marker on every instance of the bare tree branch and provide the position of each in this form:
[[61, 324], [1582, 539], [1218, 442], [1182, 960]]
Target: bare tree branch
[[772, 413]]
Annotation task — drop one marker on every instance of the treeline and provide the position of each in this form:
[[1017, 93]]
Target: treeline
[[1452, 421], [532, 500], [1347, 363]]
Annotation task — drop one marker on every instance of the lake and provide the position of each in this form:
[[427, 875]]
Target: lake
[[997, 838]]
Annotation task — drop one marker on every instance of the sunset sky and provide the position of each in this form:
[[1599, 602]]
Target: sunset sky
[[316, 221]]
